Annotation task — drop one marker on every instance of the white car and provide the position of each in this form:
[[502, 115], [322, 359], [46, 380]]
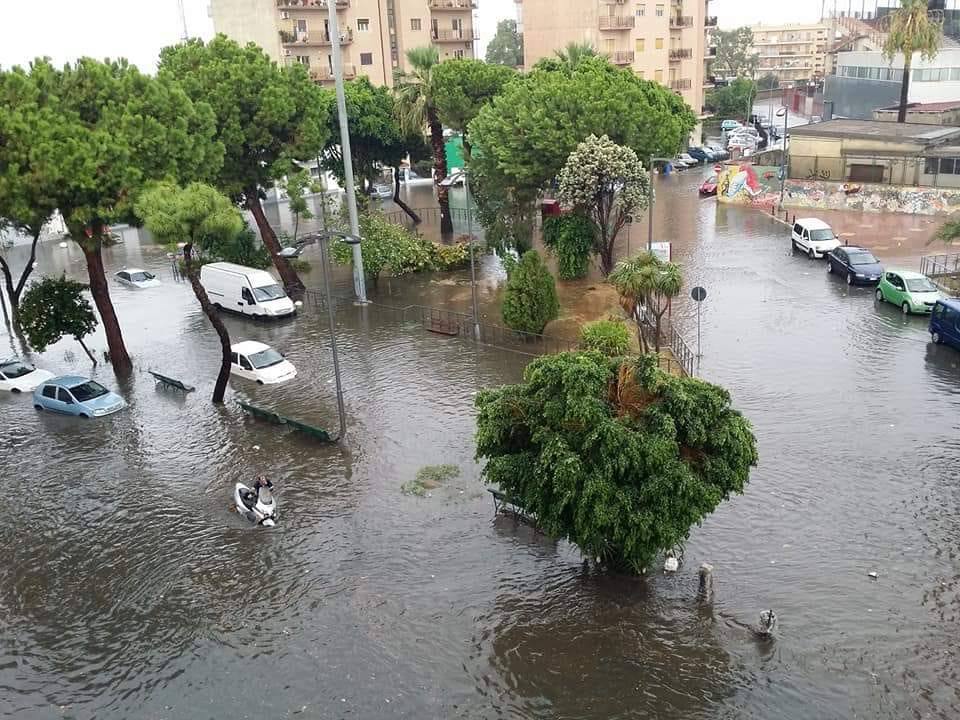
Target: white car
[[814, 237], [135, 277], [255, 361], [18, 377], [688, 159]]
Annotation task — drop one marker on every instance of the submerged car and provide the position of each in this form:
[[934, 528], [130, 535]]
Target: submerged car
[[911, 291], [709, 186], [856, 263], [259, 362], [137, 278], [76, 395], [17, 376]]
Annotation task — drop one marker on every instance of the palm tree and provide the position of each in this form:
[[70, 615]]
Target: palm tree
[[949, 232], [912, 29], [647, 284], [573, 53], [416, 110]]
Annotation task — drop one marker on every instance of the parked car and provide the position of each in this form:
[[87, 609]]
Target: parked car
[[18, 377], [679, 163], [728, 125], [76, 395], [709, 186], [814, 237], [136, 278], [256, 361], [719, 152], [910, 291], [700, 154], [381, 190], [744, 143], [945, 322], [689, 159], [245, 290], [856, 263]]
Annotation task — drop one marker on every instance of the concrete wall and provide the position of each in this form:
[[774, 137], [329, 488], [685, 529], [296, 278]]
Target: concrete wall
[[248, 21], [857, 98], [871, 198], [947, 117]]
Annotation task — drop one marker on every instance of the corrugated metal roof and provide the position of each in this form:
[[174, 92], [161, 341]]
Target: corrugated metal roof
[[917, 133]]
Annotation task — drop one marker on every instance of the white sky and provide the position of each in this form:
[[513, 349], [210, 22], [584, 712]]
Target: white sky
[[136, 29]]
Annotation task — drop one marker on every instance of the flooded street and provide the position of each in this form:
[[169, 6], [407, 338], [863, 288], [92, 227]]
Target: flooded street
[[132, 589]]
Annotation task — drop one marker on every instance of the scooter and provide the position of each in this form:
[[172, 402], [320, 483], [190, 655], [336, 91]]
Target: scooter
[[257, 505]]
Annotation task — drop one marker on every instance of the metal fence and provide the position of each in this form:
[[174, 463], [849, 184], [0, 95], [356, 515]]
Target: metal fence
[[940, 265], [682, 354]]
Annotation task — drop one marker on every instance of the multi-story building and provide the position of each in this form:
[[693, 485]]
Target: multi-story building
[[375, 35], [792, 52], [661, 40]]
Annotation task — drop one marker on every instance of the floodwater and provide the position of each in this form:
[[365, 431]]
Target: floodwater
[[130, 588]]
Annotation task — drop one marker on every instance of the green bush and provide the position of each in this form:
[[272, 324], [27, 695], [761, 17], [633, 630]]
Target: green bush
[[531, 300], [610, 337], [570, 238], [450, 257], [386, 247]]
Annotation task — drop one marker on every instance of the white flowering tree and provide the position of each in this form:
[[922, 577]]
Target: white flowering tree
[[607, 183]]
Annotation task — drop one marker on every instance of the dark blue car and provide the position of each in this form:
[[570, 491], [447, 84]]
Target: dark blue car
[[945, 322], [698, 153], [856, 264]]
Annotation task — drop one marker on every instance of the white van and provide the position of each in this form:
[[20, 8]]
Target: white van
[[245, 290], [814, 237]]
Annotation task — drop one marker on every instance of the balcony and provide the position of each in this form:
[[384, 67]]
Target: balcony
[[710, 21], [453, 36], [622, 57], [310, 4], [325, 74], [617, 22], [452, 5], [680, 54], [293, 40], [711, 52], [684, 84], [678, 22]]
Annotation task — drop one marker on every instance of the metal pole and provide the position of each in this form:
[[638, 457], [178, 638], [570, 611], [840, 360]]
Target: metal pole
[[783, 154], [333, 335], [650, 209], [359, 283], [473, 271], [698, 329]]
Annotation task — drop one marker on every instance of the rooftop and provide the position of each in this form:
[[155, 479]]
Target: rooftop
[[936, 107], [917, 133]]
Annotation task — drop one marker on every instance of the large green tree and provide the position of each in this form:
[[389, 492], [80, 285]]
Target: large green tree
[[55, 307], [734, 100], [201, 217], [734, 52], [462, 87], [267, 116], [417, 110], [506, 47], [912, 28], [612, 454]]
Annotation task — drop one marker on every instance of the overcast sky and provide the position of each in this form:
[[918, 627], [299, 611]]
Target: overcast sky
[[136, 29]]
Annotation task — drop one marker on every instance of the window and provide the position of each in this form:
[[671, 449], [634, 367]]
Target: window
[[266, 358], [639, 45], [659, 10], [608, 45], [930, 166], [304, 60], [658, 76], [948, 166], [659, 44], [366, 58], [88, 391], [244, 363], [415, 24], [641, 10], [363, 24], [458, 54], [64, 397], [955, 74], [246, 295], [862, 72], [301, 26], [233, 358], [50, 391], [274, 292], [874, 73]]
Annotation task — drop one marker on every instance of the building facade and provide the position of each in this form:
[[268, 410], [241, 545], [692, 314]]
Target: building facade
[[791, 52], [375, 35], [660, 40]]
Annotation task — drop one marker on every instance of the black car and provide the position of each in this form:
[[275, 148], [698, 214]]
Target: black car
[[857, 264]]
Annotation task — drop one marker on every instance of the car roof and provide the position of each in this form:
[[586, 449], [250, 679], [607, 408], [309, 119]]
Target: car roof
[[813, 223], [906, 274], [248, 346], [952, 303], [68, 381], [132, 270]]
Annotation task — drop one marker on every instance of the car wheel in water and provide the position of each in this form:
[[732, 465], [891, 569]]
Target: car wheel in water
[[259, 382], [879, 295], [84, 416], [849, 278], [936, 338], [15, 391], [810, 254], [39, 408], [829, 266], [906, 308]]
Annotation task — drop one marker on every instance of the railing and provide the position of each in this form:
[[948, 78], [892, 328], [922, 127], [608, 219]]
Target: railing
[[685, 357], [681, 84], [940, 265], [308, 39], [454, 5], [622, 57], [463, 35], [681, 54], [310, 4], [617, 22], [681, 21], [326, 74]]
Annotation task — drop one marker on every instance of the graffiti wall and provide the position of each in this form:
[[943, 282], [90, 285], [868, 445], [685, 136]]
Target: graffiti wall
[[742, 183], [871, 198]]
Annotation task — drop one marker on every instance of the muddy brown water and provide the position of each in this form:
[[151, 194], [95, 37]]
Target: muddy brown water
[[130, 589]]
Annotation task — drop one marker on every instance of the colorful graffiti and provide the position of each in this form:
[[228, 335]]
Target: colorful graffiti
[[871, 198], [743, 184]]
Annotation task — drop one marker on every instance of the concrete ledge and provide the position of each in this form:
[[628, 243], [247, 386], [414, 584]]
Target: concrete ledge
[[825, 195]]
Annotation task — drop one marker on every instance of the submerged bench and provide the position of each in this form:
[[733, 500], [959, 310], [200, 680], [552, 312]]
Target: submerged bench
[[277, 419], [171, 382]]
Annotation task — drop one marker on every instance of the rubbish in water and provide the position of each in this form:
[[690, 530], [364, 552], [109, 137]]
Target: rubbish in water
[[872, 575]]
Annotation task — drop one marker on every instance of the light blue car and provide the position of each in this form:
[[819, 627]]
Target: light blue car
[[75, 395]]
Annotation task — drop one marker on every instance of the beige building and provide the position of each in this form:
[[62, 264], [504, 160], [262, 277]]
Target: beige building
[[661, 40], [375, 35], [792, 52]]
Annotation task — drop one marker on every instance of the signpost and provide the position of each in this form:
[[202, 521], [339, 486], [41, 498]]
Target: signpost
[[699, 294]]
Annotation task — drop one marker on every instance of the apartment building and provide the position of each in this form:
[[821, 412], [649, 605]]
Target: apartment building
[[661, 40], [375, 35], [792, 52]]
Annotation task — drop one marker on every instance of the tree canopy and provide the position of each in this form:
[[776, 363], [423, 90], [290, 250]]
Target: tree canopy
[[646, 281], [55, 307], [530, 299], [613, 454], [912, 28], [735, 100], [734, 56], [461, 87], [506, 47]]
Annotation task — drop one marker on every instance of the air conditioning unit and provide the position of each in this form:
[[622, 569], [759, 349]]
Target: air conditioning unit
[[284, 15], [288, 52]]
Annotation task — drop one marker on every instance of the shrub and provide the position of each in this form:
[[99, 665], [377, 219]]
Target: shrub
[[450, 257], [609, 337], [570, 238], [531, 295], [386, 247]]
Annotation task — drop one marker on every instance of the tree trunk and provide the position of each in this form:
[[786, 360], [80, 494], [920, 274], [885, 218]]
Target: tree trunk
[[656, 339], [904, 88], [87, 351], [220, 389], [400, 203], [606, 250], [288, 276], [119, 358], [14, 293], [440, 172]]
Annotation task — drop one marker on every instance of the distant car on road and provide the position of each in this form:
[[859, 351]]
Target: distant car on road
[[700, 154], [136, 278], [719, 152], [259, 362], [381, 191], [689, 159], [728, 125], [75, 395], [856, 263], [709, 186], [18, 377], [910, 291], [814, 237]]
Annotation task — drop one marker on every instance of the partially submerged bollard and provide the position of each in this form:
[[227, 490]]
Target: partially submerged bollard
[[706, 582]]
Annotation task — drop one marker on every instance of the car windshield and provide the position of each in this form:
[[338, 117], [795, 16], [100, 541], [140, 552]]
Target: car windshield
[[916, 285], [265, 358], [861, 258], [15, 370], [822, 234], [269, 292], [88, 391], [141, 276]]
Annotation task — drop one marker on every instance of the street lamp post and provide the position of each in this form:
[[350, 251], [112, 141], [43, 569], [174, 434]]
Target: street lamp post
[[783, 151], [473, 271]]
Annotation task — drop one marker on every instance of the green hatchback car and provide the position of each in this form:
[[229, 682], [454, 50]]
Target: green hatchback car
[[908, 290]]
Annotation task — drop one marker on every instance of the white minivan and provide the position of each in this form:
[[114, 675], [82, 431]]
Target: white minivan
[[814, 237], [245, 290]]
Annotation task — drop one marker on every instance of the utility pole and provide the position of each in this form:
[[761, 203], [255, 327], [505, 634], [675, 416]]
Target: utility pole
[[359, 282], [183, 22], [473, 271]]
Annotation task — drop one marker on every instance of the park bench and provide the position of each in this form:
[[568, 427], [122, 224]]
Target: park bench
[[166, 381]]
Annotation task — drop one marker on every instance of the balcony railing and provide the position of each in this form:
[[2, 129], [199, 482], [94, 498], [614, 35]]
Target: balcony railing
[[622, 57], [326, 74], [710, 21], [617, 22], [684, 84], [310, 4], [452, 5], [681, 21], [680, 54], [312, 39], [464, 35]]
